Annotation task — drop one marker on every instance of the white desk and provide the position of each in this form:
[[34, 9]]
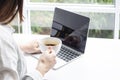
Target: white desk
[[101, 61]]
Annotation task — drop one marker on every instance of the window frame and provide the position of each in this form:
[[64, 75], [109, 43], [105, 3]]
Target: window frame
[[28, 6]]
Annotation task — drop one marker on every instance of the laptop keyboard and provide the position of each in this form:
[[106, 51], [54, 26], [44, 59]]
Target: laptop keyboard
[[67, 54]]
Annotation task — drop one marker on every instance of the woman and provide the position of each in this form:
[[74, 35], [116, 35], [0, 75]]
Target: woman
[[12, 65]]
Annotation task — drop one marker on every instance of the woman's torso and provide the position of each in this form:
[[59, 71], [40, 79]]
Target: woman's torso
[[15, 58]]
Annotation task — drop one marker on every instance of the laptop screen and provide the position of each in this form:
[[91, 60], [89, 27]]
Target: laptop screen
[[71, 28]]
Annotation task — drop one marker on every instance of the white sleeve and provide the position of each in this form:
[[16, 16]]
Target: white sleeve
[[8, 74], [33, 75], [8, 62]]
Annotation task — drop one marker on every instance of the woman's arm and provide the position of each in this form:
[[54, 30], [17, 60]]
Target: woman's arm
[[9, 68], [30, 47], [45, 63], [8, 74], [9, 64], [8, 61]]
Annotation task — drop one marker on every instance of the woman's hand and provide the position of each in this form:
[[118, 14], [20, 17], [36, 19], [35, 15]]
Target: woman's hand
[[31, 47], [46, 61]]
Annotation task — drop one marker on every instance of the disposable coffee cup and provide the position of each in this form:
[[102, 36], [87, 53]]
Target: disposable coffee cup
[[50, 42]]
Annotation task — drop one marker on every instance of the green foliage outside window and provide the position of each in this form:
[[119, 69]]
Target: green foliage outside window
[[40, 30], [42, 20], [77, 1]]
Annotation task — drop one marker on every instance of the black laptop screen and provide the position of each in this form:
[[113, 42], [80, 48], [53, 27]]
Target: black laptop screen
[[71, 28]]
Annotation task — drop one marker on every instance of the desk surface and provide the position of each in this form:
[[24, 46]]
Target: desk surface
[[101, 61]]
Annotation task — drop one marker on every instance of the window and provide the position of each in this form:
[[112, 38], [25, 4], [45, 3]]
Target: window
[[41, 21], [104, 16], [101, 24], [77, 1], [16, 25]]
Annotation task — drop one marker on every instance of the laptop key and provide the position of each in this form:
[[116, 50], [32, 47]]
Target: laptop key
[[67, 54]]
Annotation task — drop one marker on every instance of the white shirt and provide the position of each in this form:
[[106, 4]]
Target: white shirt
[[12, 62]]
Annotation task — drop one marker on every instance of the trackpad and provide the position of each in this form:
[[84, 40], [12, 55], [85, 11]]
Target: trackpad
[[60, 63]]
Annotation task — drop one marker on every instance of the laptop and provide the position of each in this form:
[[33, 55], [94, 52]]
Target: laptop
[[72, 29]]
